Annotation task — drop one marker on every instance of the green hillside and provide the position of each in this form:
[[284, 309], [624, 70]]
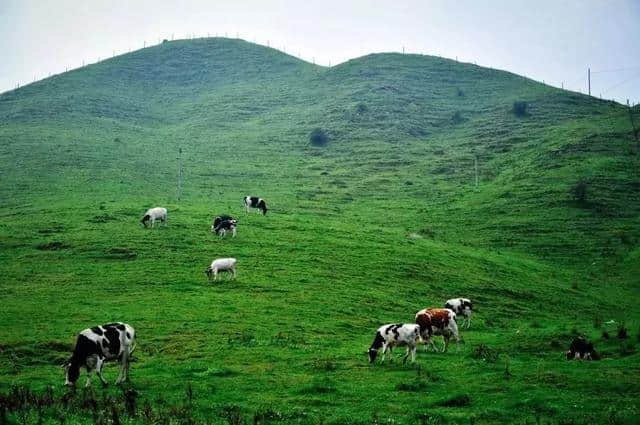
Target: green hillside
[[384, 220]]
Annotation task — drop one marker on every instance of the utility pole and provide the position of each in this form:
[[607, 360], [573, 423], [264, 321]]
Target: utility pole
[[179, 172], [589, 79]]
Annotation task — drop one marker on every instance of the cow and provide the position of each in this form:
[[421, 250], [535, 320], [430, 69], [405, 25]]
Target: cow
[[582, 349], [255, 202], [461, 307], [221, 265], [437, 321], [223, 224], [100, 344], [389, 336], [153, 214]]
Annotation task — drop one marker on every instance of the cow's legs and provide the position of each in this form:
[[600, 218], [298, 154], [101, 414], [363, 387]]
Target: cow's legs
[[99, 366], [386, 347], [233, 271], [91, 364], [215, 274], [124, 366]]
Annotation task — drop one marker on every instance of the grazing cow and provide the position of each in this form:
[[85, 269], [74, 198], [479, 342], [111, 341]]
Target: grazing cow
[[94, 346], [437, 321], [582, 349], [154, 214], [463, 307], [388, 336], [255, 202], [223, 224], [221, 265]]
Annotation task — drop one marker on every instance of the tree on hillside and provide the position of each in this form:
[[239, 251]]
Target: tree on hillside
[[318, 137]]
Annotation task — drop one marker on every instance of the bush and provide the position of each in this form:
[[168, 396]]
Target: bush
[[361, 108], [485, 353], [460, 92], [520, 108], [622, 331], [457, 117], [318, 137], [579, 192]]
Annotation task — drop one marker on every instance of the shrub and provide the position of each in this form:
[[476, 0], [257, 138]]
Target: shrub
[[485, 353], [597, 321], [579, 192], [457, 117], [520, 108], [361, 108], [622, 331], [318, 137], [459, 400]]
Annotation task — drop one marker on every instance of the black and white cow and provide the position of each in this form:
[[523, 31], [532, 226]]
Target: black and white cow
[[462, 307], [582, 349], [223, 224], [389, 336], [255, 202], [94, 346]]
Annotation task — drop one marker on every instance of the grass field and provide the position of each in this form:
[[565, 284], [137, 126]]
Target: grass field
[[381, 222]]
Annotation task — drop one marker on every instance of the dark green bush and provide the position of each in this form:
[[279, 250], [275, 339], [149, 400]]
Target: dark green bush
[[520, 108], [319, 137], [579, 192]]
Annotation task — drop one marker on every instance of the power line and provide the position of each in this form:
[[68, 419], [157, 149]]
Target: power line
[[616, 70], [621, 83]]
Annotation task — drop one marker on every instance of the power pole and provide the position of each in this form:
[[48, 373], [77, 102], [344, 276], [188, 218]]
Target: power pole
[[589, 79], [179, 172]]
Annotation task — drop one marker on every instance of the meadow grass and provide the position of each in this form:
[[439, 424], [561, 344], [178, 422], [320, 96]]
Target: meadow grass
[[381, 222]]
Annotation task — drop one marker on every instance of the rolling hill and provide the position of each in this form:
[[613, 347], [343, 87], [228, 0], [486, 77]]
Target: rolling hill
[[384, 220]]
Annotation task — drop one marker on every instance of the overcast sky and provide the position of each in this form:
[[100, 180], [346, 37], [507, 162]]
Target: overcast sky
[[551, 40]]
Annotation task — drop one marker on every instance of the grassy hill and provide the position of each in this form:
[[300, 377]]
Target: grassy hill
[[384, 220]]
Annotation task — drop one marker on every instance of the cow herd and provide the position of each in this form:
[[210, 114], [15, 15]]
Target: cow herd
[[428, 322], [116, 341]]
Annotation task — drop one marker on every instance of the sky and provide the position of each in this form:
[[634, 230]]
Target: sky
[[554, 41]]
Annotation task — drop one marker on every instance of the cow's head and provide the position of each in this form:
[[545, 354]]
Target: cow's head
[[372, 354], [209, 271], [145, 219]]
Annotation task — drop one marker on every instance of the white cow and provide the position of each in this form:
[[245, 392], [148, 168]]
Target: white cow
[[153, 214], [221, 265], [389, 336]]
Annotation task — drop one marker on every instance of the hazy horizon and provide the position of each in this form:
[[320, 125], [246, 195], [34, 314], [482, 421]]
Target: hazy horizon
[[546, 41]]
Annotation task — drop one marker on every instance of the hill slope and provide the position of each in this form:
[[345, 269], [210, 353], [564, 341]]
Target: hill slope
[[383, 221]]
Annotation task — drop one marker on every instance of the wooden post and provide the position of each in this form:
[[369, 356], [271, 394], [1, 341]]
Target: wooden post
[[635, 130], [179, 172], [475, 161]]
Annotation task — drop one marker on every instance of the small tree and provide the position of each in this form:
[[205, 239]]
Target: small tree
[[579, 192], [318, 137], [520, 108]]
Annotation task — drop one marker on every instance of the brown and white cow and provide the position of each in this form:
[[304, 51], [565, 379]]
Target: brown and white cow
[[94, 346], [437, 321]]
